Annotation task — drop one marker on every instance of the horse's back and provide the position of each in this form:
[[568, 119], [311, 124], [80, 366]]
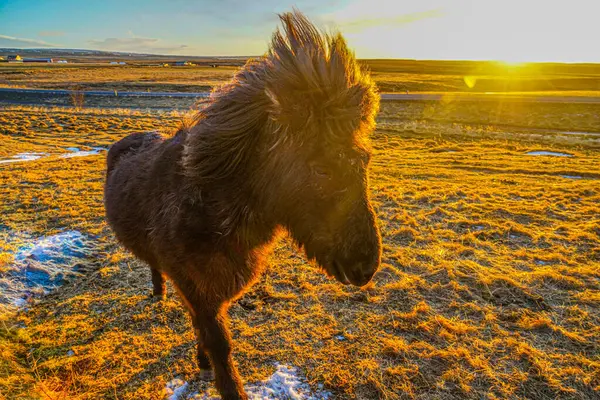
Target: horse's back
[[129, 144], [127, 165]]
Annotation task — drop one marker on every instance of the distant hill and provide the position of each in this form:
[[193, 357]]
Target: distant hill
[[82, 55], [442, 67]]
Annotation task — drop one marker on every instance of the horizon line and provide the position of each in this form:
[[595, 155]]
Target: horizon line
[[130, 53]]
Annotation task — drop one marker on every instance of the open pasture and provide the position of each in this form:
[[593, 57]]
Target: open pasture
[[489, 287]]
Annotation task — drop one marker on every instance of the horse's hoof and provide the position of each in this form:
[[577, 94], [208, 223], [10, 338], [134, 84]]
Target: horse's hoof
[[158, 296], [206, 375], [234, 396]]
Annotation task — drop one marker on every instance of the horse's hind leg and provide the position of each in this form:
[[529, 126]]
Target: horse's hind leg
[[159, 284]]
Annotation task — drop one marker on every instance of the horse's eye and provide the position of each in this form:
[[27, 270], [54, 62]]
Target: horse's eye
[[321, 172], [365, 157]]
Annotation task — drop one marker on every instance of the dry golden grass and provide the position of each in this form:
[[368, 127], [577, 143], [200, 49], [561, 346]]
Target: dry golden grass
[[108, 77], [496, 115], [489, 288]]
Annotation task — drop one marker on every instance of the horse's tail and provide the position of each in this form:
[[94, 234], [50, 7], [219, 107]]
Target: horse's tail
[[129, 144]]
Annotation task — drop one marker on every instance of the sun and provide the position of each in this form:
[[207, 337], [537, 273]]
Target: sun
[[512, 64], [515, 67]]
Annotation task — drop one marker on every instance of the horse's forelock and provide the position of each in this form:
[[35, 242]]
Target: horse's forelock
[[313, 73]]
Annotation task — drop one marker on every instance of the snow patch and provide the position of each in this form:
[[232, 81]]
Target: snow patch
[[75, 152], [548, 153], [578, 133], [286, 383], [23, 157], [41, 264], [176, 389]]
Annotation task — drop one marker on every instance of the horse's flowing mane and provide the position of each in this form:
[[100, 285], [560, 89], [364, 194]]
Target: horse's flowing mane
[[308, 83]]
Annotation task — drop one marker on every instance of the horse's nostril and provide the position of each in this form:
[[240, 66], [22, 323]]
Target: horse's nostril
[[367, 275], [360, 275]]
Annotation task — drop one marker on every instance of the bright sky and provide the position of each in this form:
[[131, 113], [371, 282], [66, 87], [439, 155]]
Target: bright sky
[[508, 30]]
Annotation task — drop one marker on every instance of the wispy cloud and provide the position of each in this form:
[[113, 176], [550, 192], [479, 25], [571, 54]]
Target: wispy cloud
[[51, 33], [357, 22], [360, 24], [11, 41], [137, 44]]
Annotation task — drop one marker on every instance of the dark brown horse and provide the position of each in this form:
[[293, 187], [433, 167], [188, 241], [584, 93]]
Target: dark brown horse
[[284, 145]]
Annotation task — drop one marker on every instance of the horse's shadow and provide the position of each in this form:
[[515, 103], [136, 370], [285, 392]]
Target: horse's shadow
[[137, 380]]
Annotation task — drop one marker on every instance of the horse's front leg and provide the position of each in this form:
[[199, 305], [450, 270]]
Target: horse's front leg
[[207, 300], [159, 286], [216, 341], [206, 371], [192, 303]]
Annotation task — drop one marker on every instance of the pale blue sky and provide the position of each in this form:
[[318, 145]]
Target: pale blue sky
[[511, 30]]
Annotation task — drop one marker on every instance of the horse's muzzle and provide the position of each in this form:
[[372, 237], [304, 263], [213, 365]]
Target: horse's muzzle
[[360, 276], [357, 275]]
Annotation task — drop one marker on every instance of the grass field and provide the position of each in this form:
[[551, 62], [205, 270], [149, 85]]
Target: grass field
[[390, 75], [489, 287]]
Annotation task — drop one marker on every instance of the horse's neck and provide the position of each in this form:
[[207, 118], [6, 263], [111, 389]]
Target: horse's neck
[[255, 237], [234, 213]]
